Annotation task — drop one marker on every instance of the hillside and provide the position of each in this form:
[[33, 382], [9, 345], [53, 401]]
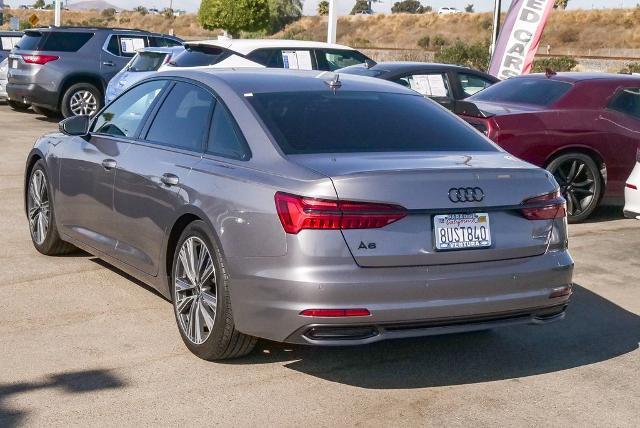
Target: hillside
[[612, 32], [91, 5]]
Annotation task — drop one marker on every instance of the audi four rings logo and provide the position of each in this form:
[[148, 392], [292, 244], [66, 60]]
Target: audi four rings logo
[[466, 194]]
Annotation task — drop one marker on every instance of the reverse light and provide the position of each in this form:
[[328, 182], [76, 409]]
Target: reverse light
[[298, 212], [545, 207], [333, 313], [39, 59]]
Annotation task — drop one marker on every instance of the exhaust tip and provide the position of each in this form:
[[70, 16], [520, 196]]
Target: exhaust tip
[[341, 333]]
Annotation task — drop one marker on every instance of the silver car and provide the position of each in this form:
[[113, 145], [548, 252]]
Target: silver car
[[4, 68], [303, 207]]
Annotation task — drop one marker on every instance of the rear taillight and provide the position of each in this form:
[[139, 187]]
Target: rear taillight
[[39, 59], [545, 207], [333, 313], [298, 212]]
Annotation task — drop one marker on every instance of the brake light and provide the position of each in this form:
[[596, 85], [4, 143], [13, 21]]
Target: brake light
[[632, 186], [545, 207], [39, 59], [332, 313], [298, 212]]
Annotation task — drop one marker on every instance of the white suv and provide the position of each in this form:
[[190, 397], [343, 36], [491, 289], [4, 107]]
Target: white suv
[[448, 11]]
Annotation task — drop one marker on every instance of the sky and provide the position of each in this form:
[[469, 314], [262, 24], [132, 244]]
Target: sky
[[345, 6]]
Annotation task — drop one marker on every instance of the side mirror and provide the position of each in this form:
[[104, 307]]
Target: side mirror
[[75, 126]]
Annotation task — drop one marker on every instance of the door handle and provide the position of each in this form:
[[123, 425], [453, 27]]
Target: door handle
[[108, 63], [170, 179], [109, 164]]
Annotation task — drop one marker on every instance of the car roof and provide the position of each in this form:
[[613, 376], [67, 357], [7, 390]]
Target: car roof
[[574, 77], [402, 65], [250, 80], [249, 45], [99, 30], [11, 33], [162, 49]]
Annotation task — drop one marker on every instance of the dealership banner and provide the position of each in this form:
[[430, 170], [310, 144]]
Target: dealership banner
[[520, 37]]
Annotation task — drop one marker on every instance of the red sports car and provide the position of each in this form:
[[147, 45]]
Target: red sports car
[[584, 128]]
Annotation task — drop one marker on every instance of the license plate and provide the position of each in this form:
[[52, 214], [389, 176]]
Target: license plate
[[14, 63], [462, 231]]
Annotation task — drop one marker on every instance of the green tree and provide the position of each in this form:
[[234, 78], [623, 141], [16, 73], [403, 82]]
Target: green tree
[[38, 4], [141, 10], [234, 16], [407, 6], [474, 55], [108, 13], [283, 13], [361, 6], [469, 8], [562, 4], [323, 8]]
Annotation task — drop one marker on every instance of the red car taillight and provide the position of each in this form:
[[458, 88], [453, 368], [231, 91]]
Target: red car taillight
[[333, 313], [298, 212], [39, 59], [545, 207]]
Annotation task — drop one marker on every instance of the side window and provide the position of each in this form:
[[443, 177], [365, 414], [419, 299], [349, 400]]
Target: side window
[[129, 45], [225, 138], [472, 83], [296, 59], [627, 101], [112, 46], [124, 116], [9, 42], [268, 57], [333, 59], [183, 118], [434, 85], [65, 41], [162, 42]]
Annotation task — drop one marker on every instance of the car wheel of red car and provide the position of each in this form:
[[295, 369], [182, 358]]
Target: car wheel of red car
[[580, 184]]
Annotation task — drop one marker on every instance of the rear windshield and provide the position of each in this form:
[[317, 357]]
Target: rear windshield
[[200, 56], [63, 41], [537, 92], [147, 61], [356, 122], [362, 71]]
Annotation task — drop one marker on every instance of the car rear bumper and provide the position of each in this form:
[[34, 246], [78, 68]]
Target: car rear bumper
[[33, 94], [269, 296]]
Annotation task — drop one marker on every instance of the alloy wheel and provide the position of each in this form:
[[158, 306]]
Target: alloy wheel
[[195, 290], [38, 207], [577, 184], [83, 103]]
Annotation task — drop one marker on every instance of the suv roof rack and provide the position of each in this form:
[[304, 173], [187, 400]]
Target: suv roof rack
[[72, 27]]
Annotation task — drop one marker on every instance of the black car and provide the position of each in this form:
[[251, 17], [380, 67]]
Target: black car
[[443, 83], [66, 69]]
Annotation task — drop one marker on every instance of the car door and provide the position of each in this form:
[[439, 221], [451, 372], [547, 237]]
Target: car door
[[88, 168], [434, 85], [118, 51], [149, 185]]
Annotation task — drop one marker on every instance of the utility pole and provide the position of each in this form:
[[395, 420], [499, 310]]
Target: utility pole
[[57, 13], [497, 8], [333, 22]]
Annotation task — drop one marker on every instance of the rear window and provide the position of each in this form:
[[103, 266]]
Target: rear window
[[147, 61], [537, 92], [200, 56], [333, 59], [360, 70], [356, 122], [54, 41]]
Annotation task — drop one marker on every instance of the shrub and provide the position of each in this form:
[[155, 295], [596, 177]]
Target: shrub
[[633, 67], [560, 63], [473, 55], [568, 35], [424, 42], [439, 41]]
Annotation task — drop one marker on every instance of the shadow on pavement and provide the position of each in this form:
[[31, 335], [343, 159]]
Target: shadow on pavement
[[73, 383], [595, 330], [606, 213]]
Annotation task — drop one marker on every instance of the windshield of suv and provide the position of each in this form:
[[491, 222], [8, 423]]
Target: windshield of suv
[[147, 61], [536, 92], [355, 122]]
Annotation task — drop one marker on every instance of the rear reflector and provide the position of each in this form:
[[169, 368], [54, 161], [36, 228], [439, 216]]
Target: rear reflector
[[39, 59], [560, 292], [298, 212], [333, 313], [632, 186], [545, 207]]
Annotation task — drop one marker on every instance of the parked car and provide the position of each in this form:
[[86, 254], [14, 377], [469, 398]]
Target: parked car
[[66, 69], [443, 83], [8, 40], [293, 54], [632, 192], [584, 128], [448, 11], [4, 68], [150, 60], [303, 208]]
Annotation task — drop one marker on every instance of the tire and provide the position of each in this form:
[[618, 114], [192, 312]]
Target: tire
[[580, 183], [211, 335], [41, 214], [52, 114], [92, 97], [18, 106]]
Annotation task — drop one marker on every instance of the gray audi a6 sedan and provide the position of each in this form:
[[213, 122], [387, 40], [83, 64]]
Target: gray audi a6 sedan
[[303, 207]]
